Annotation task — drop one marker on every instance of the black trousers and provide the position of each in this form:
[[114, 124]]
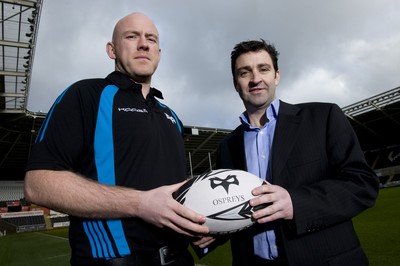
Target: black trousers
[[257, 261], [142, 258]]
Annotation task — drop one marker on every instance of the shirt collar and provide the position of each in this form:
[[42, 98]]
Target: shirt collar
[[271, 112], [124, 82]]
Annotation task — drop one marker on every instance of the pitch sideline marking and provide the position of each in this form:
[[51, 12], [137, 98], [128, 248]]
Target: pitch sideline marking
[[58, 237]]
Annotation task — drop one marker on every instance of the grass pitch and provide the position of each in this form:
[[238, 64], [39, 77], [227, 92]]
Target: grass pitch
[[377, 229], [45, 248]]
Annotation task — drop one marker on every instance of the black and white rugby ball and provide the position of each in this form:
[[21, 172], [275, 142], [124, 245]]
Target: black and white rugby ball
[[223, 197]]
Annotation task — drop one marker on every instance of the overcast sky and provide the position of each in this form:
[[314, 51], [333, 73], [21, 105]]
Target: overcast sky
[[341, 51]]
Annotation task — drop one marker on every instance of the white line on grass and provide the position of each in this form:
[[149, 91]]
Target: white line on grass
[[59, 237]]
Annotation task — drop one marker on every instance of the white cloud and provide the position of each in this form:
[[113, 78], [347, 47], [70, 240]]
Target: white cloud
[[317, 85]]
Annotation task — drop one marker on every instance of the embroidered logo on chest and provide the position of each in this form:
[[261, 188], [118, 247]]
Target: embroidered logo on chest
[[132, 110], [170, 118]]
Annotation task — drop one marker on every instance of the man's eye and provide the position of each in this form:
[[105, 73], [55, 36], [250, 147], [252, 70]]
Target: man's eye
[[152, 39], [243, 73]]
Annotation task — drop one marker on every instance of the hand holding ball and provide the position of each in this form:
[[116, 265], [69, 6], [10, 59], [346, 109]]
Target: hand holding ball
[[223, 197]]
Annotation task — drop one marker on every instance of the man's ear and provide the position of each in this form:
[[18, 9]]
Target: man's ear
[[277, 77], [110, 50]]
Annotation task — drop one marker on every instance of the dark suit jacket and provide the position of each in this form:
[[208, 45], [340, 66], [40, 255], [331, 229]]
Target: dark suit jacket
[[315, 156]]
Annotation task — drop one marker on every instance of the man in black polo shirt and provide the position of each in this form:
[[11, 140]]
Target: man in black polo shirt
[[110, 155]]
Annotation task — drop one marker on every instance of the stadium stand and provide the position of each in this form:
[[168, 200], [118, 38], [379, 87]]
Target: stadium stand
[[11, 190], [24, 221], [376, 121], [60, 220]]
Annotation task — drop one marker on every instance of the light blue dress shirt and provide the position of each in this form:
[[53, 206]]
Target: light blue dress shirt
[[258, 143]]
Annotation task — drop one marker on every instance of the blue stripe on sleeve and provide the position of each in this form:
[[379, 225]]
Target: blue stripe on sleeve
[[96, 246], [91, 240], [107, 240], [102, 241], [43, 128]]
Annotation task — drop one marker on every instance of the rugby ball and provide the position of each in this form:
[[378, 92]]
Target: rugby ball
[[223, 197]]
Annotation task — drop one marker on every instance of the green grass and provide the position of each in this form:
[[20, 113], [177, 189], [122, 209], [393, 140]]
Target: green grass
[[377, 229], [46, 248]]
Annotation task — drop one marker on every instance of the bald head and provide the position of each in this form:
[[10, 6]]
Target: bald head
[[140, 20]]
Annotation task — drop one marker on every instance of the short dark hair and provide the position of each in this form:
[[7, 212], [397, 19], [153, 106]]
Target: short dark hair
[[254, 46]]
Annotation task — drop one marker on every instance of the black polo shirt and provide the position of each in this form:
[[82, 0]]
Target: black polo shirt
[[105, 130]]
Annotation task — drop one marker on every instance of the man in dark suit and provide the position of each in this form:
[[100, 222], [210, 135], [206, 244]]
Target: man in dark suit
[[317, 176]]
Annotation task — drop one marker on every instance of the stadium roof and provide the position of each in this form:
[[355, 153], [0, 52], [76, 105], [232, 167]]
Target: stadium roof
[[376, 120], [19, 27], [18, 31]]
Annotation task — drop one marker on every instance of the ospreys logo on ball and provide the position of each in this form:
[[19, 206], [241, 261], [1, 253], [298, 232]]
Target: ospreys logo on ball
[[225, 183]]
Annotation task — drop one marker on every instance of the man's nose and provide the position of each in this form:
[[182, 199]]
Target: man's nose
[[255, 78], [143, 44]]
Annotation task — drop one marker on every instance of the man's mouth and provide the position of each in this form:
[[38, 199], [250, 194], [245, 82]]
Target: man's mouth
[[255, 89], [142, 57]]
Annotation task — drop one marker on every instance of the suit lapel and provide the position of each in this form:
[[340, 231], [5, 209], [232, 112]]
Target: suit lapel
[[284, 138], [236, 146]]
